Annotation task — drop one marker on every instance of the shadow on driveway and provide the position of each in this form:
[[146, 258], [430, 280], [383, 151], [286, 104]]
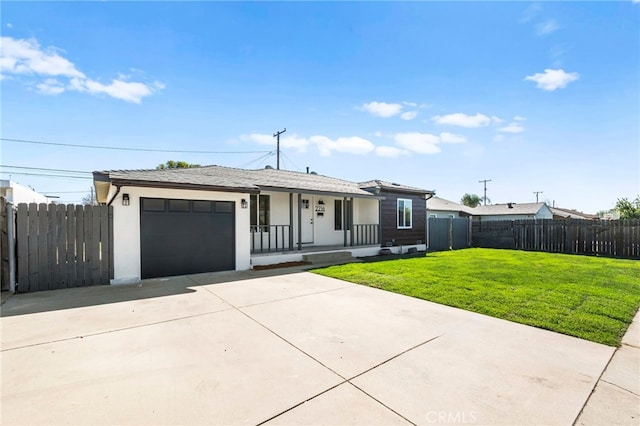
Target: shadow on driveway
[[69, 298]]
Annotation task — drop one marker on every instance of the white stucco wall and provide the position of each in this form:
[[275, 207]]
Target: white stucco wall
[[126, 227]]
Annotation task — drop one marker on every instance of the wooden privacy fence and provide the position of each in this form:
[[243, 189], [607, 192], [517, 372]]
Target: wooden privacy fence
[[62, 246], [613, 238], [448, 233]]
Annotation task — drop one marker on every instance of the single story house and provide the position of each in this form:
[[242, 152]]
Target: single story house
[[559, 213], [440, 208], [15, 193], [206, 219], [512, 211]]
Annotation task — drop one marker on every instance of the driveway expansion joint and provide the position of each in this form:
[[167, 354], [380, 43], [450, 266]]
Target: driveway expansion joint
[[619, 387]]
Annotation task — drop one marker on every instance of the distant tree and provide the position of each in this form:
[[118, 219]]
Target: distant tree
[[89, 199], [471, 200], [628, 209], [176, 165]]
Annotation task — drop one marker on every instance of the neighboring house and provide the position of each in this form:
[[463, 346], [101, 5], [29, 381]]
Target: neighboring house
[[15, 193], [512, 211], [559, 213], [205, 219], [440, 208], [402, 212]]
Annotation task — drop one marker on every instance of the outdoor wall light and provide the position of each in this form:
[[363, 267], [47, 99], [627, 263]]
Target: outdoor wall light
[[244, 204], [125, 200]]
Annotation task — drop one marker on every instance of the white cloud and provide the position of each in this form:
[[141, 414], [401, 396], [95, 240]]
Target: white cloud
[[451, 138], [635, 1], [20, 56], [9, 25], [519, 118], [25, 57], [512, 128], [547, 27], [382, 109], [50, 86], [530, 12], [421, 143], [551, 80], [350, 145], [496, 119], [390, 151], [259, 138], [463, 120], [409, 115], [410, 104]]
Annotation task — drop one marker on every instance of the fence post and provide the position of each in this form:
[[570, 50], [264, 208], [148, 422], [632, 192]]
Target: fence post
[[11, 246]]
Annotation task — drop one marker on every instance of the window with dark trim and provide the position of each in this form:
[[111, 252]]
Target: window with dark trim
[[260, 209], [339, 215], [404, 213]]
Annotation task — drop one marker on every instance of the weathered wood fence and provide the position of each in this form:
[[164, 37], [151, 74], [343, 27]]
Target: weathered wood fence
[[613, 238], [62, 246], [448, 233]]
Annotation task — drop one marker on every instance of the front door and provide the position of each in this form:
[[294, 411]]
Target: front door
[[307, 220]]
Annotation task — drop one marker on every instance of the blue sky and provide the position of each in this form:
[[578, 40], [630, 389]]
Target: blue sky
[[534, 96]]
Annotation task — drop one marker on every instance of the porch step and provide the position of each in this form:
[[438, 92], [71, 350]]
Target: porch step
[[328, 257]]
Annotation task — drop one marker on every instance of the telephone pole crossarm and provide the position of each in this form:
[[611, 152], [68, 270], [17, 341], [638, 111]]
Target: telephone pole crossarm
[[484, 199]]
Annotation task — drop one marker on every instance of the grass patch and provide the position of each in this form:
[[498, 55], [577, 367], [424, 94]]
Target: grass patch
[[592, 298]]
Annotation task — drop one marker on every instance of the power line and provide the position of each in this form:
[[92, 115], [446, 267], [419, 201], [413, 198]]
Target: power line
[[129, 149], [45, 175], [40, 168]]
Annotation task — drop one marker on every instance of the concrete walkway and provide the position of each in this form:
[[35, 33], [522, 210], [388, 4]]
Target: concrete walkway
[[290, 347]]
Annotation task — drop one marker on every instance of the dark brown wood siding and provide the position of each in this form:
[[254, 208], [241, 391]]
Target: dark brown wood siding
[[390, 231]]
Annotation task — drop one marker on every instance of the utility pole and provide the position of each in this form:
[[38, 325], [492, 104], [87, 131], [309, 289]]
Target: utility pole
[[485, 189], [537, 193], [277, 136]]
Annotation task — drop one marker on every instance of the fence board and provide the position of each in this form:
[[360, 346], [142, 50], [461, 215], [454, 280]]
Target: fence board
[[61, 245], [80, 253], [33, 245], [72, 249], [22, 252], [94, 245], [52, 241]]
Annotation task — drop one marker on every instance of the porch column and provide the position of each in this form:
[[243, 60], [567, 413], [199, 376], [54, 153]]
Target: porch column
[[344, 219], [351, 221], [291, 221], [380, 222], [299, 221]]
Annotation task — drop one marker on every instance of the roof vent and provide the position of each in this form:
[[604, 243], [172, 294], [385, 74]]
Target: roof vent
[[268, 167], [510, 205], [395, 184], [313, 173]]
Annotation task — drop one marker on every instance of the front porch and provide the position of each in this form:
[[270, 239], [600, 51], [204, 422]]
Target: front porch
[[293, 222]]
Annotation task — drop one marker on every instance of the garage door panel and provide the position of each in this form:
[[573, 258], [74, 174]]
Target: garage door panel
[[186, 237]]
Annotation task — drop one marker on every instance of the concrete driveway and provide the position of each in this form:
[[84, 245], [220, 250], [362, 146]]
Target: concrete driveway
[[291, 348]]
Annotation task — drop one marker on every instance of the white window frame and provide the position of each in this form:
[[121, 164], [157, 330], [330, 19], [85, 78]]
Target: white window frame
[[405, 202]]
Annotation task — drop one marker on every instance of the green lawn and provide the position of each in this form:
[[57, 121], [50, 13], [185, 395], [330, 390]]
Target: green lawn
[[589, 297]]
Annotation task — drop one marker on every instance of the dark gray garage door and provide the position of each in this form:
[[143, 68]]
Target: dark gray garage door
[[180, 237]]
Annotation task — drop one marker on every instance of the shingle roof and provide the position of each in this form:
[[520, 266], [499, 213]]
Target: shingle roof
[[437, 203], [573, 214], [392, 186], [232, 179], [504, 209]]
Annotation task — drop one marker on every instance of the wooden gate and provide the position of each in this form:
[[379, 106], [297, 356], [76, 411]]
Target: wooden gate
[[62, 246]]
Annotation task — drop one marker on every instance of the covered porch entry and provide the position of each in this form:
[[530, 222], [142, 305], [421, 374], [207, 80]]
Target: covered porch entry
[[286, 221]]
